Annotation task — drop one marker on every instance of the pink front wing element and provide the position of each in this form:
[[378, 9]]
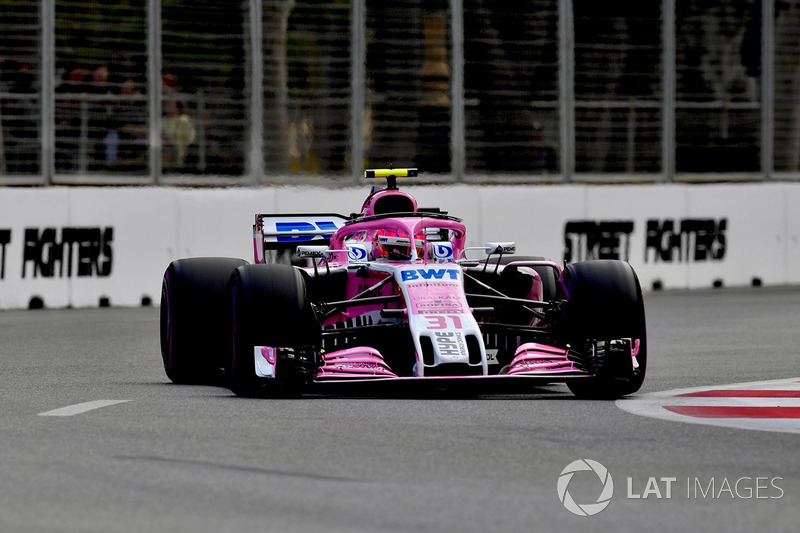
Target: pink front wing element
[[535, 358], [359, 362], [270, 354], [635, 348]]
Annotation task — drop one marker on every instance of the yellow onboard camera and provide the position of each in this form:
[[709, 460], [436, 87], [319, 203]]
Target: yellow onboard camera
[[391, 174]]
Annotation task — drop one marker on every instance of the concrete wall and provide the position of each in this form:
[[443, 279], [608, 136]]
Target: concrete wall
[[74, 246]]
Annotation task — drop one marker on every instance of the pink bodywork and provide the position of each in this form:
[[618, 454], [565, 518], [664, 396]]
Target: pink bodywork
[[538, 359], [360, 362], [409, 226], [433, 303]]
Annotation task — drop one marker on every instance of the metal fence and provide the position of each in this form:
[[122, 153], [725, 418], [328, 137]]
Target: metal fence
[[313, 91]]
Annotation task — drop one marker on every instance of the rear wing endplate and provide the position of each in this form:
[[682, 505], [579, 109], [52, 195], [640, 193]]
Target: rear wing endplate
[[279, 232]]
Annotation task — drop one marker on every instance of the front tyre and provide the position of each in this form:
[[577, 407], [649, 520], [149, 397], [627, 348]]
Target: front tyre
[[195, 321], [605, 305], [270, 308]]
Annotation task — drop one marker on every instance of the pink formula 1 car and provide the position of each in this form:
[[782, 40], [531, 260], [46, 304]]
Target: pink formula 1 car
[[392, 294]]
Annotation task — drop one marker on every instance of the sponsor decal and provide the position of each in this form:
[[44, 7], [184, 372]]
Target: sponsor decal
[[435, 301], [589, 239], [5, 238], [443, 251], [500, 248], [685, 241], [312, 251], [357, 252], [688, 240], [450, 343], [62, 252], [302, 229], [429, 274]]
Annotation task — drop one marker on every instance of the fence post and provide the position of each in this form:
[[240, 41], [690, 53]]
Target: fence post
[[668, 90], [566, 88], [83, 142], [457, 120], [767, 88], [358, 58], [154, 89], [255, 156], [48, 121]]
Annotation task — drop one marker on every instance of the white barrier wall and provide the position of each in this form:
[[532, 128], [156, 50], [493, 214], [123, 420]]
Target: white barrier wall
[[74, 246]]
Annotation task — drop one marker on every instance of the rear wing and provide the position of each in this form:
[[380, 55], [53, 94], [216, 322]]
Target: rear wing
[[280, 232]]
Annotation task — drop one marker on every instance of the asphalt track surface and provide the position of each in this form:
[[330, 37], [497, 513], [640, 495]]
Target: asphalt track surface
[[196, 458]]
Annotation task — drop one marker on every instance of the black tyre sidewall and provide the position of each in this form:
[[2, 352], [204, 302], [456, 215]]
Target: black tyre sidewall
[[605, 303], [269, 308], [194, 318]]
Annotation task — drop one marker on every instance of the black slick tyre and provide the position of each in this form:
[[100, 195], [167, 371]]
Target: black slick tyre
[[270, 308], [195, 318], [605, 304]]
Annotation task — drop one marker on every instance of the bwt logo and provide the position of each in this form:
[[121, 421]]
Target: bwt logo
[[429, 273], [586, 509]]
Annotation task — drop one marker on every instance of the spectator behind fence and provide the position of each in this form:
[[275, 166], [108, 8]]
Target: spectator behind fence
[[132, 117], [544, 154], [103, 124], [3, 89], [19, 125], [68, 118], [179, 128]]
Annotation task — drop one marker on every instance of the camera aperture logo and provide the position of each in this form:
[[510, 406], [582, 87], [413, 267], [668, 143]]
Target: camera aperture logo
[[594, 478], [606, 492]]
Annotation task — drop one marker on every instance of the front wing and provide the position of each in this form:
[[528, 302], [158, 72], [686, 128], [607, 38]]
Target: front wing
[[533, 364]]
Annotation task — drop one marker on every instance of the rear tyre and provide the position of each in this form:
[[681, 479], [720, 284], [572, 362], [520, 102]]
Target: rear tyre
[[605, 304], [195, 318], [270, 307]]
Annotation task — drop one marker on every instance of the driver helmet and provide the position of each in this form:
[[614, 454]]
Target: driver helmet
[[394, 245]]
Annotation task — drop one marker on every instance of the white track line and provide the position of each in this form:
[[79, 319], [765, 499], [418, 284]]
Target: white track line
[[78, 408]]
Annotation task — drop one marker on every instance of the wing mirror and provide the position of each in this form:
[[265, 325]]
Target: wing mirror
[[312, 252], [501, 248], [316, 252], [491, 248]]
